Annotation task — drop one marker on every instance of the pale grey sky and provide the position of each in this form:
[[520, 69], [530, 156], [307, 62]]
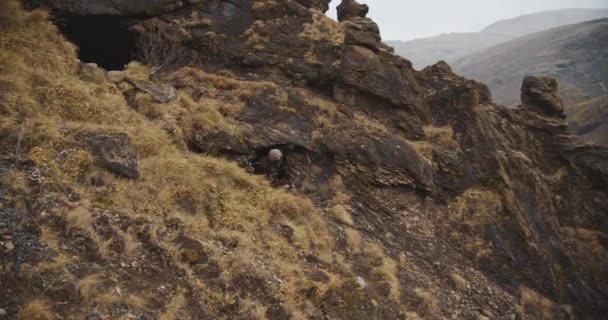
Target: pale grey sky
[[411, 19]]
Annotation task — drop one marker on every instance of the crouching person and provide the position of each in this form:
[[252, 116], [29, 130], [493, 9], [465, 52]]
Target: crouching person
[[269, 164]]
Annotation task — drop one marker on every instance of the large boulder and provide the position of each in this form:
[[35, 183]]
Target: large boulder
[[539, 94], [351, 9], [113, 151]]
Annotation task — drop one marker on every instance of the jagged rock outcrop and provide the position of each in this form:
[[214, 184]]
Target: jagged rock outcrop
[[351, 9], [539, 94], [410, 193]]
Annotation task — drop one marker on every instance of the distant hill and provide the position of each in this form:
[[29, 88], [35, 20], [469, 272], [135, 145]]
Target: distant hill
[[453, 46], [539, 21], [577, 55], [448, 47]]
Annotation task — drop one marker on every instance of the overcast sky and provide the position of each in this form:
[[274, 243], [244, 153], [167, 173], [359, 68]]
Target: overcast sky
[[411, 19]]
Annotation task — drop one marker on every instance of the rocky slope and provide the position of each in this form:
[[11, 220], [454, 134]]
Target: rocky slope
[[402, 194], [575, 54], [589, 120], [453, 46]]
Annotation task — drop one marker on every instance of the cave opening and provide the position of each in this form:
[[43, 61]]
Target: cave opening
[[104, 40]]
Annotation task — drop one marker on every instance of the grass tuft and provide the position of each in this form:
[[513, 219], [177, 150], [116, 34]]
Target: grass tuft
[[38, 309]]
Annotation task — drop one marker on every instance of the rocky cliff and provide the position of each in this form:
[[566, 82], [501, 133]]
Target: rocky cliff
[[131, 194]]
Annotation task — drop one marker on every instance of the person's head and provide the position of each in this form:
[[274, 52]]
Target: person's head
[[275, 155]]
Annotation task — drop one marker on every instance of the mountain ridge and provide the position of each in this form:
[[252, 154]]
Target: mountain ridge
[[451, 47]]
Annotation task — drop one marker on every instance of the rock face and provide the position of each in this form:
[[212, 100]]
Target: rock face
[[116, 7], [414, 181], [351, 9], [147, 8], [362, 32], [114, 152], [539, 94]]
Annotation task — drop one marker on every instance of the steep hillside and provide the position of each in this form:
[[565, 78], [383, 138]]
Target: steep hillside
[[142, 193], [589, 119], [453, 46]]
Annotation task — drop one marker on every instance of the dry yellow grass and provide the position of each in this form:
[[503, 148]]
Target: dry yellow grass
[[353, 239], [341, 215], [387, 271], [253, 308], [424, 148], [48, 236], [458, 281], [441, 136], [59, 262], [323, 28], [412, 316], [428, 299], [172, 309], [37, 310], [88, 287], [476, 207], [531, 298]]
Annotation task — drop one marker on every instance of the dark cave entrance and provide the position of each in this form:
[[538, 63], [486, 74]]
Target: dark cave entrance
[[104, 40]]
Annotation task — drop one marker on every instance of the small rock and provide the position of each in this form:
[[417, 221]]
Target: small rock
[[161, 93], [3, 313], [486, 313], [361, 282], [8, 246], [90, 72], [319, 276], [116, 76]]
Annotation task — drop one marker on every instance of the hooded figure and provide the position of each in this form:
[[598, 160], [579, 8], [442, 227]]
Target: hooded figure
[[276, 159], [270, 164]]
